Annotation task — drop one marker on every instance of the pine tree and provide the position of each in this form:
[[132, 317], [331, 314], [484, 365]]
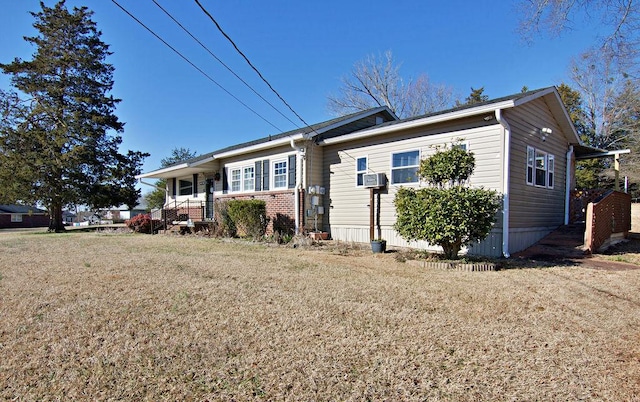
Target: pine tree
[[60, 140]]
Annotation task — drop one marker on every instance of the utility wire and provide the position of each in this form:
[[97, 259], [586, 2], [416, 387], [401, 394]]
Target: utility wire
[[221, 62], [249, 62], [193, 65]]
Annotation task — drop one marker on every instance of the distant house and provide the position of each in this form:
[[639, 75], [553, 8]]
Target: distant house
[[22, 216], [319, 177], [123, 212]]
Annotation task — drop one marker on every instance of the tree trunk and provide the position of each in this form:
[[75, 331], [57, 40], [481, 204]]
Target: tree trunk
[[451, 250], [55, 218]]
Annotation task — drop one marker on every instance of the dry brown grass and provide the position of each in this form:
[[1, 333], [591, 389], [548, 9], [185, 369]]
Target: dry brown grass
[[88, 316]]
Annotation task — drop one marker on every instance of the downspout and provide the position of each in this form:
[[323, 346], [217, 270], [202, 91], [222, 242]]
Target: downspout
[[567, 201], [506, 171], [166, 191], [296, 201]]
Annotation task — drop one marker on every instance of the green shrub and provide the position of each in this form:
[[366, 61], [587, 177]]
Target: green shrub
[[249, 217], [448, 214]]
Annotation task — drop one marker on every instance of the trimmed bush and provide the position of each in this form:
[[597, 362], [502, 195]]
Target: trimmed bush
[[140, 223], [249, 217], [449, 213]]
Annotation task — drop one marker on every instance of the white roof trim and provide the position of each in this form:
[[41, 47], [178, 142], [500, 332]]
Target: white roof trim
[[190, 166], [604, 154], [260, 147], [420, 122]]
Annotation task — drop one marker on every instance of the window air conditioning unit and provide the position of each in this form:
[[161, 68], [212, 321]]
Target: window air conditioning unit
[[374, 180]]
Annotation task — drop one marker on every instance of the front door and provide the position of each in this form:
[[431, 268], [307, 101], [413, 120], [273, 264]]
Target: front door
[[210, 188]]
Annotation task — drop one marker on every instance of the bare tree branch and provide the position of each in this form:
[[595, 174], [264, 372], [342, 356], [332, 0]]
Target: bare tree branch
[[376, 81]]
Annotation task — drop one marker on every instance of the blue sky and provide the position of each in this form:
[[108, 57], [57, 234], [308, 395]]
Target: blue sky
[[303, 48]]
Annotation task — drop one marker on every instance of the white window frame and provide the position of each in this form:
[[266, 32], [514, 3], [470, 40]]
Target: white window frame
[[182, 187], [463, 144], [249, 180], [547, 168], [361, 172], [275, 176], [235, 184], [16, 218], [396, 168]]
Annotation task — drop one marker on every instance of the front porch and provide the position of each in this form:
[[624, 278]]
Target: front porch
[[597, 220]]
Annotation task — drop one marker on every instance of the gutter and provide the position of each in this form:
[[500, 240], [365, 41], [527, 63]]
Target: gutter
[[299, 157], [152, 185], [417, 123], [505, 182], [165, 190], [567, 180]]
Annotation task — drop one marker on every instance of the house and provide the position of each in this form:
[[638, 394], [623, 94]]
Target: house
[[320, 178], [22, 216], [122, 213]]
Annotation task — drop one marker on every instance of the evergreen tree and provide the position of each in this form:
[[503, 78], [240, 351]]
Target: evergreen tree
[[56, 137], [476, 96]]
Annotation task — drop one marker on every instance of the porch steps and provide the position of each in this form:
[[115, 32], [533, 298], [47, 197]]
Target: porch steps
[[566, 242]]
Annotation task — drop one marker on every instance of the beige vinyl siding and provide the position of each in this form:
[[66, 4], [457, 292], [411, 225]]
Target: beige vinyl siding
[[536, 208], [271, 154], [313, 176], [348, 214], [313, 165]]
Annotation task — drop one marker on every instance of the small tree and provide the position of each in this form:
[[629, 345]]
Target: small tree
[[156, 198], [448, 213]]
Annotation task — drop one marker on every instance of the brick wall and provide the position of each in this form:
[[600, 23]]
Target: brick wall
[[28, 221], [280, 207]]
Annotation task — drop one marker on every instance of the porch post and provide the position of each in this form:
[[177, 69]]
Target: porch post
[[616, 166]]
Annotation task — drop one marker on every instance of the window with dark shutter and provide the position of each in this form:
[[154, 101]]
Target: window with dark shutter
[[265, 174], [258, 184], [174, 186], [292, 171], [225, 181], [195, 185]]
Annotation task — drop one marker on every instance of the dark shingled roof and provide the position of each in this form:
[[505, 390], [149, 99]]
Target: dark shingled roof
[[20, 209], [320, 126], [304, 130]]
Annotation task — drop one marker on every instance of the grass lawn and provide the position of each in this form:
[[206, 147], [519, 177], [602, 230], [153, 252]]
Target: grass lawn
[[90, 316]]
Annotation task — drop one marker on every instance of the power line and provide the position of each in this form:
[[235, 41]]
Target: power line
[[193, 65], [222, 63], [249, 62]]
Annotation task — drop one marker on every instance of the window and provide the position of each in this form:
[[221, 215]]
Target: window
[[235, 180], [540, 168], [462, 145], [404, 167], [280, 174], [249, 180], [16, 217], [361, 169], [185, 187]]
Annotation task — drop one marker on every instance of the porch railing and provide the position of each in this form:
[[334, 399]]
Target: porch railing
[[607, 219], [179, 212]]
